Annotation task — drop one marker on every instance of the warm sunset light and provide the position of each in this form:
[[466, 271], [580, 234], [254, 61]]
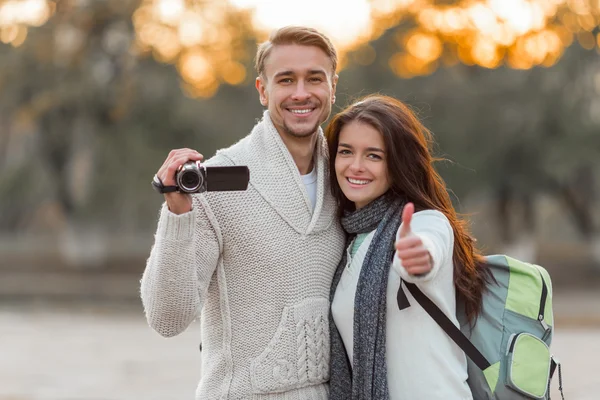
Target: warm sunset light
[[207, 39], [353, 22], [16, 15], [521, 34]]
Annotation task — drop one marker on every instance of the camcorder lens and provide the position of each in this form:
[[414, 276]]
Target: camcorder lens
[[190, 180]]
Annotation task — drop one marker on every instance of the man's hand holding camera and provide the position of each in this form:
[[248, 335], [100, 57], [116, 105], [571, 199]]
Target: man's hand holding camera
[[183, 174], [178, 202]]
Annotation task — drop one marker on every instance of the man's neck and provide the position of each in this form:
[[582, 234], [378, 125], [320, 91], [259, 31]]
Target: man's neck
[[302, 151]]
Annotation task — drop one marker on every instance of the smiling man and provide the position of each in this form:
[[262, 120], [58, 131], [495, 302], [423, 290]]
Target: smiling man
[[257, 265]]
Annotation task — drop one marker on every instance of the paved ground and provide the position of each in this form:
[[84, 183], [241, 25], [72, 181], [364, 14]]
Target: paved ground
[[100, 354]]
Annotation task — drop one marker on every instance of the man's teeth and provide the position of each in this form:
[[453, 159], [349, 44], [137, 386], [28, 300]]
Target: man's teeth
[[358, 181], [301, 111]]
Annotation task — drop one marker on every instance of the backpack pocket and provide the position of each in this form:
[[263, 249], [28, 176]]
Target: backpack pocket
[[528, 365]]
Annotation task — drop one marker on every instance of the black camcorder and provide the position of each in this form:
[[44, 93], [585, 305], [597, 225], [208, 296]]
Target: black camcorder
[[194, 177]]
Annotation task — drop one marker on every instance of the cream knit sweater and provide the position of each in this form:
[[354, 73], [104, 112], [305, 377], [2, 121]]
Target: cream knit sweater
[[257, 266]]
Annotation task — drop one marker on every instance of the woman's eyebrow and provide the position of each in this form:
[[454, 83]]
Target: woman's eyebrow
[[375, 149]]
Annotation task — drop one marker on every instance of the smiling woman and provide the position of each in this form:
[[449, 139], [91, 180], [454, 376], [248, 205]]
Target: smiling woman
[[360, 163]]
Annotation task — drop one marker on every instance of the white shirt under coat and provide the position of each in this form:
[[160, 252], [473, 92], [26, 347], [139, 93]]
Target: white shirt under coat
[[310, 183], [422, 361]]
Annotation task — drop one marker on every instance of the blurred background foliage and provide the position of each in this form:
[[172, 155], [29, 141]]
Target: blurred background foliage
[[94, 93]]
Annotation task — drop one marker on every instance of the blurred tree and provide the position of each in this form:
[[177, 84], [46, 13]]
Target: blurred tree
[[428, 34], [516, 134], [83, 112], [86, 118]]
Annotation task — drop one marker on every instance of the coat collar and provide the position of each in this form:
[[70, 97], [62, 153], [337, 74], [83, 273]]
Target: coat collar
[[274, 174]]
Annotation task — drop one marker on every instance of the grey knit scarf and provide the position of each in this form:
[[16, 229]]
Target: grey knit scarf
[[366, 379]]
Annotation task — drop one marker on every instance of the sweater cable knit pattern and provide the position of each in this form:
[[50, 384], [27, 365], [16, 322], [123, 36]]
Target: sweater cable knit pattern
[[256, 266]]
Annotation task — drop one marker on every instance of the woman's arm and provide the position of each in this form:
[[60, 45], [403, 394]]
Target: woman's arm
[[432, 230]]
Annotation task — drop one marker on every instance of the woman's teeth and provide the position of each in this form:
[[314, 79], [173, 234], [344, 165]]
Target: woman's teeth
[[358, 181]]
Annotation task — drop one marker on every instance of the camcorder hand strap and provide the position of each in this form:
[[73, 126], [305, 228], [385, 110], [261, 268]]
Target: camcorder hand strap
[[158, 185]]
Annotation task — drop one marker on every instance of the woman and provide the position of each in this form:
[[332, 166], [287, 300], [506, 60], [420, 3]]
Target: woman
[[401, 225]]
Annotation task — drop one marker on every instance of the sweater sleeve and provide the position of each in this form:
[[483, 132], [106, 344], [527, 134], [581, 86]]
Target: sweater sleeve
[[435, 231], [178, 272]]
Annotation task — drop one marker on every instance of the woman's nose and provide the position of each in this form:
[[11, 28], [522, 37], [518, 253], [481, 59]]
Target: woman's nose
[[357, 165]]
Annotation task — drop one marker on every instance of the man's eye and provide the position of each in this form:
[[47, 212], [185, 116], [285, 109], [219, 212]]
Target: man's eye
[[285, 80]]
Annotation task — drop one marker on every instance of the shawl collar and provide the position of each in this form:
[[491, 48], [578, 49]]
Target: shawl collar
[[275, 176]]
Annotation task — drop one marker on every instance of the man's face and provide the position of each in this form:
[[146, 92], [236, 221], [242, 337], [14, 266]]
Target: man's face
[[298, 88]]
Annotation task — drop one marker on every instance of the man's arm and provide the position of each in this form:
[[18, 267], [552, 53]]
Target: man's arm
[[180, 267]]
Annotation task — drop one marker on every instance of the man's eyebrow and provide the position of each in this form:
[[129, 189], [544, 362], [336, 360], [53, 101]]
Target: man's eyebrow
[[284, 73], [290, 72]]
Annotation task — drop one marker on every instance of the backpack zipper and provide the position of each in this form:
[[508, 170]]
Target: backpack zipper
[[542, 308]]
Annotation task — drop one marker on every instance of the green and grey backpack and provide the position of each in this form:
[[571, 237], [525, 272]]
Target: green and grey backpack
[[508, 347]]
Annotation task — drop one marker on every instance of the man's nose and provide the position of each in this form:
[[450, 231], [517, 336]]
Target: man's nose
[[301, 92]]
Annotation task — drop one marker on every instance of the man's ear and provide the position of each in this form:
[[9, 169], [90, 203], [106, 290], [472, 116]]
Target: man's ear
[[262, 91], [334, 82]]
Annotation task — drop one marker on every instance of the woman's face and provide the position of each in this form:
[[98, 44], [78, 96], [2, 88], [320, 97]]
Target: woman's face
[[361, 163]]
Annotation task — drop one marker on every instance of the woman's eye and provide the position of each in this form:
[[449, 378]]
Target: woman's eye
[[343, 151], [375, 157]]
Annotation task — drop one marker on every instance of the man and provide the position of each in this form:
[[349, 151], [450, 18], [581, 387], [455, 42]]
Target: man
[[258, 263]]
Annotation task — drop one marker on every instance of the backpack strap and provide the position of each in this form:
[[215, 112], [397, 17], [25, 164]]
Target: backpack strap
[[553, 364], [444, 322]]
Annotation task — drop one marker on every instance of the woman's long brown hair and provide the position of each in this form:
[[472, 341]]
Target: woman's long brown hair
[[413, 177]]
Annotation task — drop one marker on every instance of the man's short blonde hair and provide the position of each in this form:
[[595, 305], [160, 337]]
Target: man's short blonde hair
[[298, 35]]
